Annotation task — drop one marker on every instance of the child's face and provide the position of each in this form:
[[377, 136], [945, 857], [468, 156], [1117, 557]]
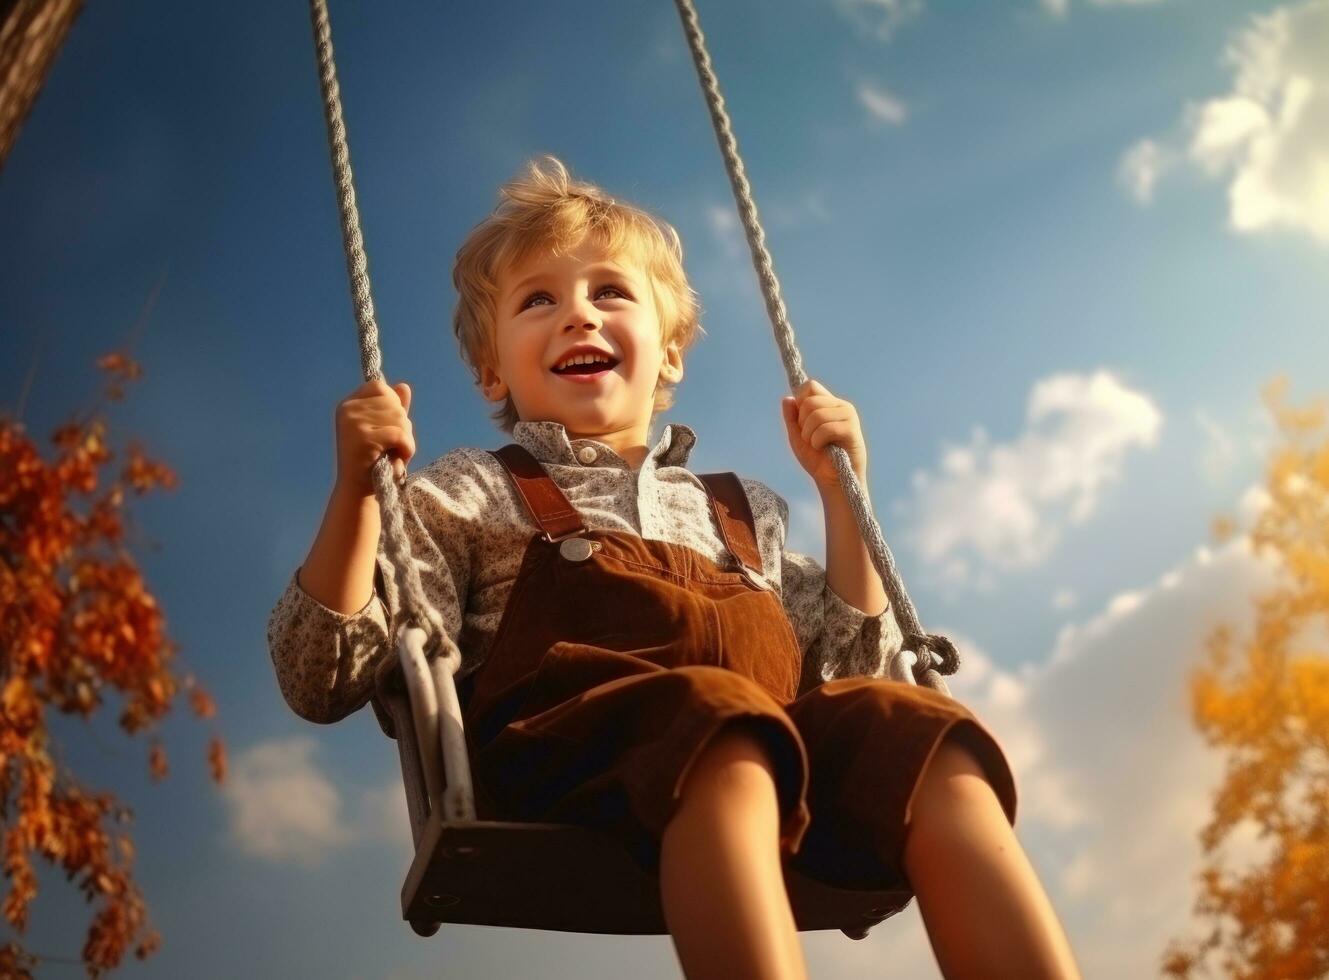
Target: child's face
[[549, 304]]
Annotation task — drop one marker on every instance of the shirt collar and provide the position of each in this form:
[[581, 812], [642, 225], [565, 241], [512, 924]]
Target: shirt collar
[[548, 442]]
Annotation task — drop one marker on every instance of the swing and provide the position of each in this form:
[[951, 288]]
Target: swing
[[522, 875]]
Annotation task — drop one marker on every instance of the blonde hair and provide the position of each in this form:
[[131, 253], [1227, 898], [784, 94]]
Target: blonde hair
[[546, 210]]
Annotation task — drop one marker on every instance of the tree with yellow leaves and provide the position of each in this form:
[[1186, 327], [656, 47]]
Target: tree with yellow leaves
[[1269, 710], [76, 619]]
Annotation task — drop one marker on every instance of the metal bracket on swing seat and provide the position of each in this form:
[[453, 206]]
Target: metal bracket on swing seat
[[436, 713]]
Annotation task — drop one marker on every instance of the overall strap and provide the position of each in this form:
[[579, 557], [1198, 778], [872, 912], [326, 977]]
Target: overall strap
[[733, 515], [551, 510], [558, 519]]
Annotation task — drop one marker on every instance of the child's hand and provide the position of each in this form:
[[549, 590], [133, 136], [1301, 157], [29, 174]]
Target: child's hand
[[372, 420], [816, 418]]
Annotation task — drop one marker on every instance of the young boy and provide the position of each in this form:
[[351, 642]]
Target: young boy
[[640, 653]]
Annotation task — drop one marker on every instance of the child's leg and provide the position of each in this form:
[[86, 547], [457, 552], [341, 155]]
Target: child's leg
[[721, 882], [986, 912]]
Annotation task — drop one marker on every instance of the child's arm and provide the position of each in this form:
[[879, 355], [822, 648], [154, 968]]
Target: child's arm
[[339, 571], [849, 569], [324, 654], [329, 629], [372, 420], [815, 419], [841, 615]]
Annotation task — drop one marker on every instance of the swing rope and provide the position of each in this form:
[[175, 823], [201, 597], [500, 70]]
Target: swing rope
[[908, 664], [406, 595], [943, 653]]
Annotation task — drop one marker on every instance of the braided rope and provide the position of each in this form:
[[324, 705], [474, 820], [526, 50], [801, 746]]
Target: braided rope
[[406, 596], [943, 656]]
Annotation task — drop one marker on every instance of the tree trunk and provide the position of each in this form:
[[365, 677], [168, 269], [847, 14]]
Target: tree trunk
[[31, 32]]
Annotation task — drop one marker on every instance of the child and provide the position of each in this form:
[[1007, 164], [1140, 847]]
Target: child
[[640, 653]]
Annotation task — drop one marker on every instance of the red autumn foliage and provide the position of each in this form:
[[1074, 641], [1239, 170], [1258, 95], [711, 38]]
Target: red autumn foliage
[[76, 620]]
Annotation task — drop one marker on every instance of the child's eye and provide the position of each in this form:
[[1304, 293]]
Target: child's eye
[[530, 300]]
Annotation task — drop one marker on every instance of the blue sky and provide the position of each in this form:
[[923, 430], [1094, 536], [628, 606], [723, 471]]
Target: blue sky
[[1051, 250]]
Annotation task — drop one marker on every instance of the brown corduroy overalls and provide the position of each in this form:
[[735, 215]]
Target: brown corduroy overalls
[[618, 658]]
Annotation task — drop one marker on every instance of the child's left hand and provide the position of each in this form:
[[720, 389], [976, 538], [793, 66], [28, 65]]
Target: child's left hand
[[814, 418]]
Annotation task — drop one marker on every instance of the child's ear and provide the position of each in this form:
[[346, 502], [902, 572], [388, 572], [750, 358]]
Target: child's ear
[[671, 368], [494, 388]]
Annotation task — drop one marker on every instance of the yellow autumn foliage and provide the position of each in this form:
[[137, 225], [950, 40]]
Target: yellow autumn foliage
[[1263, 700]]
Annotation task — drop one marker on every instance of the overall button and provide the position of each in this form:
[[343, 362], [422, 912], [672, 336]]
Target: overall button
[[577, 549], [587, 454]]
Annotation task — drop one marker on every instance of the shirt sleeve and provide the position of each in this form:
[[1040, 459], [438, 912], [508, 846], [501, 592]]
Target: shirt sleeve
[[325, 659], [837, 639]]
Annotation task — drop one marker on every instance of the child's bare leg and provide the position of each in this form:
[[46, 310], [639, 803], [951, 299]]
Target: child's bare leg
[[986, 912], [721, 882]]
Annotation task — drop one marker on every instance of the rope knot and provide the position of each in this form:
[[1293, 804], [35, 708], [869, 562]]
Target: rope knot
[[945, 658]]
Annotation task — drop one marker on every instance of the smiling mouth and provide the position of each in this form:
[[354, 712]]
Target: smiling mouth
[[585, 372], [584, 376]]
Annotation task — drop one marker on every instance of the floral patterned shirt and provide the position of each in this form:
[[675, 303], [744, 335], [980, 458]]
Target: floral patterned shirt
[[469, 529]]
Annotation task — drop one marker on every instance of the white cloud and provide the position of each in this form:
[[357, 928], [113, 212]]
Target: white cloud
[[1269, 136], [1060, 8], [1220, 454], [791, 211], [881, 105], [382, 816], [1142, 166], [1253, 503], [879, 19], [1005, 505], [726, 228], [1114, 783], [283, 808], [1063, 599], [667, 47], [811, 207]]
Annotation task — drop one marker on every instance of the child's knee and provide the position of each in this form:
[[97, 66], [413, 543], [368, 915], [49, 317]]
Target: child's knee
[[955, 757], [953, 771], [736, 757]]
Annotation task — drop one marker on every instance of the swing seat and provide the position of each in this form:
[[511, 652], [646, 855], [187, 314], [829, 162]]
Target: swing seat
[[555, 876]]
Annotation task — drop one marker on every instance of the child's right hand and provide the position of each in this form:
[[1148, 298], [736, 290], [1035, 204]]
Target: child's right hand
[[371, 421]]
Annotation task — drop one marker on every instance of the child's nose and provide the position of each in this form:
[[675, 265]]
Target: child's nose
[[584, 313]]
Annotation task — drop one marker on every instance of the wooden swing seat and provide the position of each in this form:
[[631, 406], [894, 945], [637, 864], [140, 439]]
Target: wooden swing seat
[[556, 876]]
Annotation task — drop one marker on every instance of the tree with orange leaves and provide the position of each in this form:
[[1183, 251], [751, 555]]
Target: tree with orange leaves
[[1270, 712], [76, 618]]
